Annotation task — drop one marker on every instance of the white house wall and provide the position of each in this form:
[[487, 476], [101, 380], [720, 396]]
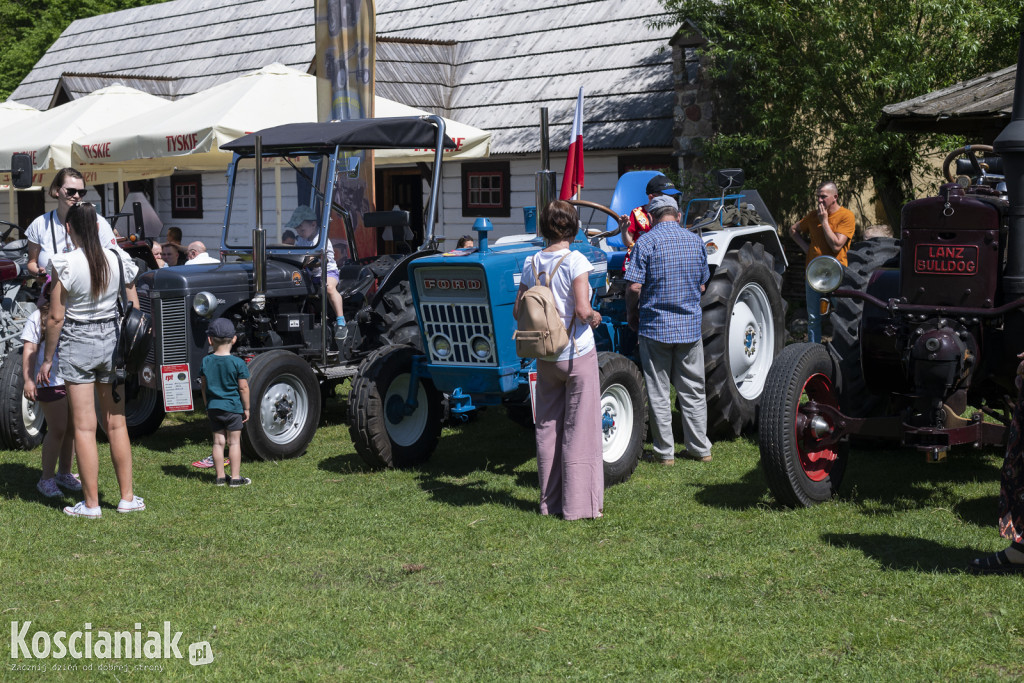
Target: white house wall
[[601, 176]]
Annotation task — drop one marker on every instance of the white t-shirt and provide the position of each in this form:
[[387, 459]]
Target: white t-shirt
[[73, 272], [32, 333], [332, 264], [38, 232], [575, 264], [202, 259]]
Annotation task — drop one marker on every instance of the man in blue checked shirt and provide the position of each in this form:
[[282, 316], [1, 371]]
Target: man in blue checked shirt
[[667, 272]]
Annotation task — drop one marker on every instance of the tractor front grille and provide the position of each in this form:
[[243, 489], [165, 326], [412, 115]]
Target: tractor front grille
[[173, 331], [146, 306], [459, 324]]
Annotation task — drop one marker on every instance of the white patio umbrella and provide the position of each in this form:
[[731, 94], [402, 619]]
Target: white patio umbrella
[[47, 137], [12, 112], [471, 143], [187, 134]]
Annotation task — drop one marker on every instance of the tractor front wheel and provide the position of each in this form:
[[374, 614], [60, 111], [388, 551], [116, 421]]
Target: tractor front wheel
[[623, 416], [284, 400], [143, 409], [23, 425], [386, 430], [803, 464]]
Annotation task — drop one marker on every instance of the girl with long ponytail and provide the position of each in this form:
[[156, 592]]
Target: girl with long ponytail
[[83, 322]]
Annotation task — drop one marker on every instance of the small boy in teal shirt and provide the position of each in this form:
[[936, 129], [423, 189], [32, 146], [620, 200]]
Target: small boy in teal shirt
[[225, 383]]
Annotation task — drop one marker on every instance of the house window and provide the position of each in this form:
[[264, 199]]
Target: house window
[[485, 189], [187, 196]]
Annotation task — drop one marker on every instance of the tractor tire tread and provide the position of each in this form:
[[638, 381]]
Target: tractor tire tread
[[728, 413]]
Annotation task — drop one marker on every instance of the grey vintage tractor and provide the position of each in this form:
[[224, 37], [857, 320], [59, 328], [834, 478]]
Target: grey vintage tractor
[[21, 421], [275, 293]]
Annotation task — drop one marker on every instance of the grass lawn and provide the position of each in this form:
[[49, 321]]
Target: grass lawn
[[323, 569]]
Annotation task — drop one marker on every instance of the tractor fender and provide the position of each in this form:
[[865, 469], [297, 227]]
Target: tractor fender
[[719, 242], [398, 274]]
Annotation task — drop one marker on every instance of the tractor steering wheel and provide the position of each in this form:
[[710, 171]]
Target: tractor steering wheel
[[598, 234], [968, 151]]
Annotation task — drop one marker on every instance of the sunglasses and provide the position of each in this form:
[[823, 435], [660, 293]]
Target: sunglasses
[[72, 191]]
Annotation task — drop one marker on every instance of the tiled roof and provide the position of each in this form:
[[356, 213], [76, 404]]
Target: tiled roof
[[488, 63]]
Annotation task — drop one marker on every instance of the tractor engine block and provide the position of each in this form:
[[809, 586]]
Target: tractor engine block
[[940, 359]]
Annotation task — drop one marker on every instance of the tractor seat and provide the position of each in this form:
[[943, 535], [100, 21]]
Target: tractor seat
[[616, 261]]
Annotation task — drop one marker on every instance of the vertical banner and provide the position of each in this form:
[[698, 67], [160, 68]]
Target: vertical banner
[[346, 55]]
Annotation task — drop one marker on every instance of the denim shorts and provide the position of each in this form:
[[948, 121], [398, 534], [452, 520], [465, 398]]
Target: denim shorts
[[330, 273], [87, 351]]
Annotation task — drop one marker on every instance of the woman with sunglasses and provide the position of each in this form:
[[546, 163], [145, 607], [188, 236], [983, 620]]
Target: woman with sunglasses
[[83, 323], [48, 235]]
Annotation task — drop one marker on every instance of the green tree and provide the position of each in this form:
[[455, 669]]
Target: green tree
[[29, 27], [801, 85]]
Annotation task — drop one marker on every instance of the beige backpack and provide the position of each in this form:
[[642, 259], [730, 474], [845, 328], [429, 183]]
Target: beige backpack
[[541, 332]]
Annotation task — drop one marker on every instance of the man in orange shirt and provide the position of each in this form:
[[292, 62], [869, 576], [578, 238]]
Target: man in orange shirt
[[829, 232]]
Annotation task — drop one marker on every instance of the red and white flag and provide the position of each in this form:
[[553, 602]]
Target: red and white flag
[[572, 179]]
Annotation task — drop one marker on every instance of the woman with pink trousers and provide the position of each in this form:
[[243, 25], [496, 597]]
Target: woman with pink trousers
[[568, 401]]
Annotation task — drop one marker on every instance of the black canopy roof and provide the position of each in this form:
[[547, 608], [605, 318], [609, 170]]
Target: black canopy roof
[[410, 132]]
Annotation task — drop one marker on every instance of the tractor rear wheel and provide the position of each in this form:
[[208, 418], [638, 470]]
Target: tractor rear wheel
[[384, 431], [744, 330], [864, 258], [22, 425], [392, 322], [623, 416], [800, 469]]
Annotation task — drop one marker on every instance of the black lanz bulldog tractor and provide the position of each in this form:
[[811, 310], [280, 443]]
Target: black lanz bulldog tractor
[[924, 327]]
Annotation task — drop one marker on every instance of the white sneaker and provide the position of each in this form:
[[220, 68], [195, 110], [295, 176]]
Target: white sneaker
[[80, 510], [48, 487], [68, 481], [133, 505]]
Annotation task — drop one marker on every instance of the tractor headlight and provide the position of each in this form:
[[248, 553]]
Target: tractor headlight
[[711, 248], [824, 274], [441, 346], [481, 347], [204, 304]]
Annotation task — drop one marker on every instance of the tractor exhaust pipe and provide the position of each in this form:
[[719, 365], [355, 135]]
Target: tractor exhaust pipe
[[545, 177], [1010, 146], [259, 238]]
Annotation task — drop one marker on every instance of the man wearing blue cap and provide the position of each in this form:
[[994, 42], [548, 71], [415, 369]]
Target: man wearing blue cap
[[667, 272]]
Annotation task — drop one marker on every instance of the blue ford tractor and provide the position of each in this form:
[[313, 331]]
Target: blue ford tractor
[[464, 300], [464, 305]]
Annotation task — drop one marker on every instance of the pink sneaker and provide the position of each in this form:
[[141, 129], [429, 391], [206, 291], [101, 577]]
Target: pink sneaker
[[207, 462]]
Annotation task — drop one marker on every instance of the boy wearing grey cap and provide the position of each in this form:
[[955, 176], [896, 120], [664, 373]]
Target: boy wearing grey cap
[[225, 382]]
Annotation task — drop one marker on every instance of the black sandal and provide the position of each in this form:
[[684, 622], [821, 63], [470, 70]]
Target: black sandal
[[997, 563]]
